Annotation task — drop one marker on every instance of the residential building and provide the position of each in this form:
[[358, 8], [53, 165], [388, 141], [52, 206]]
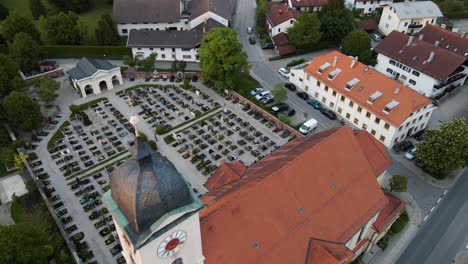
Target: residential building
[[366, 98], [366, 6], [307, 5], [425, 66], [408, 17], [279, 19], [294, 206], [282, 44], [93, 76]]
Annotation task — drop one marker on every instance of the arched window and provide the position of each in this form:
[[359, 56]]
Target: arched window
[[178, 261]]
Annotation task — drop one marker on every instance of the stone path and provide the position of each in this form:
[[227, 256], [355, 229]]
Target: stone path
[[5, 215]]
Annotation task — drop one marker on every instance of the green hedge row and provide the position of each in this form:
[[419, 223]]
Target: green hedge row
[[458, 14], [103, 52], [78, 108]]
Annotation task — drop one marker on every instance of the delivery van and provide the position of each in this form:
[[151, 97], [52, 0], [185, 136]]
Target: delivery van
[[308, 126]]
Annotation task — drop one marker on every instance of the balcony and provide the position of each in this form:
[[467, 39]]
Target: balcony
[[449, 81], [412, 26]]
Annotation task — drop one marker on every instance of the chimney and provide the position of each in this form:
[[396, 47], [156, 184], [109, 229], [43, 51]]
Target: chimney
[[353, 62], [410, 40], [431, 56], [421, 37], [443, 26], [335, 59]]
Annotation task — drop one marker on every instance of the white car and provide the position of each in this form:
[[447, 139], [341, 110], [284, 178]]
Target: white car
[[285, 73], [262, 94], [410, 155], [256, 91], [249, 30]]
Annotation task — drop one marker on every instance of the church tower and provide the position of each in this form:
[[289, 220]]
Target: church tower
[[154, 210]]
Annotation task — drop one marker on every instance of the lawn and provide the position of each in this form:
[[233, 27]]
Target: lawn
[[90, 19]]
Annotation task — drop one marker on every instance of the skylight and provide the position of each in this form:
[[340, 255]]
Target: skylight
[[334, 73], [374, 97], [351, 84], [390, 106], [323, 67]]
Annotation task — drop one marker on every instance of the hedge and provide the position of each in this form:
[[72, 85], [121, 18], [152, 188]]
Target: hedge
[[82, 107], [295, 62], [104, 52], [457, 15], [399, 224]]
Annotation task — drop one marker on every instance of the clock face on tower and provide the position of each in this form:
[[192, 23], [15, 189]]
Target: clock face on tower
[[171, 244]]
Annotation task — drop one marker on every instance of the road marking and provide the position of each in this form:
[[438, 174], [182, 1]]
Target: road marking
[[425, 218], [444, 192], [432, 209], [438, 200]]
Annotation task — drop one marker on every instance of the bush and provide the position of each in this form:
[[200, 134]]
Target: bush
[[399, 224], [399, 183], [142, 136], [85, 119], [197, 113], [78, 108], [383, 243], [153, 145], [103, 52], [32, 156], [160, 130], [295, 62], [169, 139]]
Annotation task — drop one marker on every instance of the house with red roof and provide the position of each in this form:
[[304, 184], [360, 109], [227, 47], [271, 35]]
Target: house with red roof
[[307, 5], [279, 19]]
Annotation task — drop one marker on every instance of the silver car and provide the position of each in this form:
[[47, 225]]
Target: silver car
[[411, 155]]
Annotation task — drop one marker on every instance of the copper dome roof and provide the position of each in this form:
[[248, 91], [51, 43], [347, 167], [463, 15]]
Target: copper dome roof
[[147, 186]]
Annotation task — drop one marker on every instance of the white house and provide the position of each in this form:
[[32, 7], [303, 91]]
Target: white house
[[423, 66], [408, 17], [93, 76], [366, 6], [280, 18], [307, 5], [364, 97]]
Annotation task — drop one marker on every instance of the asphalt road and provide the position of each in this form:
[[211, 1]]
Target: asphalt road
[[445, 232]]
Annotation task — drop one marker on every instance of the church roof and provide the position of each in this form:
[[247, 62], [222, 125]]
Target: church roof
[[147, 186], [322, 187]]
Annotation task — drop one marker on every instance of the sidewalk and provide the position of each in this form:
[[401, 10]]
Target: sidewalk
[[398, 243]]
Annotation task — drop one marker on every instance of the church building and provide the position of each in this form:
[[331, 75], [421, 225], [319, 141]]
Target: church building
[[316, 199]]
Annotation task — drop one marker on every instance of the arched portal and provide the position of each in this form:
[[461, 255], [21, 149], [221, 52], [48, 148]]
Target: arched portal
[[115, 80], [103, 85], [88, 89]]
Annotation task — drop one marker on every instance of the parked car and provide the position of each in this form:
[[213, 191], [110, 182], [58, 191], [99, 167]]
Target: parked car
[[303, 95], [411, 155], [403, 146], [262, 94], [74, 186], [249, 30], [97, 175], [376, 37], [308, 126], [267, 100], [256, 91], [268, 45], [328, 113], [291, 87], [252, 40], [290, 112], [279, 107], [315, 104], [84, 200], [58, 205], [419, 135], [63, 212], [285, 73]]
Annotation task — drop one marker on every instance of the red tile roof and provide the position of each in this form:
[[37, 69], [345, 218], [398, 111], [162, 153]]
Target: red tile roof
[[280, 14], [286, 49], [308, 3], [226, 173], [297, 192], [281, 42], [369, 24], [416, 55], [370, 81], [448, 40], [375, 152], [325, 252], [389, 213]]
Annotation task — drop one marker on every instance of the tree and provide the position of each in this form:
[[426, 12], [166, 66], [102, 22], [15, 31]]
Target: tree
[[10, 79], [25, 244], [444, 150], [3, 12], [358, 43], [221, 57], [336, 25], [450, 6], [147, 63], [25, 52], [3, 45], [15, 24], [46, 88], [284, 118], [334, 5], [37, 8], [65, 29], [280, 93], [19, 160], [21, 111], [106, 32], [77, 6], [260, 16], [306, 31], [127, 60], [7, 156]]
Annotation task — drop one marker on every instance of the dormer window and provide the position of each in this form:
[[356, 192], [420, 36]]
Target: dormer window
[[334, 73], [351, 84], [374, 97], [390, 106], [323, 67]]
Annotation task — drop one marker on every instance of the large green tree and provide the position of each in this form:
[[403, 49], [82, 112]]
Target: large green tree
[[37, 8], [334, 5], [3, 45], [358, 43], [280, 93], [77, 6], [336, 25], [3, 12], [23, 243], [25, 51], [106, 32], [10, 79], [445, 149], [306, 31], [260, 16], [65, 29], [15, 24], [46, 88], [221, 57], [21, 111]]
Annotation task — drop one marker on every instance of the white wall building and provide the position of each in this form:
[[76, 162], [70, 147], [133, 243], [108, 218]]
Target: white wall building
[[364, 97], [279, 19], [424, 67], [408, 17], [366, 6], [307, 5], [93, 76]]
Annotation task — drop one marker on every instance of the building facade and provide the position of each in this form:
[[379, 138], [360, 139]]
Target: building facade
[[408, 17], [313, 6], [366, 6], [279, 19], [364, 97]]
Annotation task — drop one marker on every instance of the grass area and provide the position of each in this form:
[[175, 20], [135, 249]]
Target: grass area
[[103, 52], [97, 165], [58, 135], [161, 132], [78, 108], [399, 183], [90, 19]]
